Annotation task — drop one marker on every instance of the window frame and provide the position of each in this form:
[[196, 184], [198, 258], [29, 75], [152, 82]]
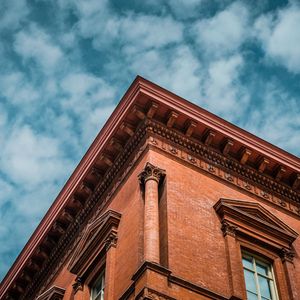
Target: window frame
[[270, 277], [250, 226], [99, 278]]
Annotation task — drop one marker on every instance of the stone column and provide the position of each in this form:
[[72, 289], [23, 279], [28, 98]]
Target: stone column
[[110, 245], [150, 178]]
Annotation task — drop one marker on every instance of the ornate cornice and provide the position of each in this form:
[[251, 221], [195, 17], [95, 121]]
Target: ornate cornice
[[216, 164]]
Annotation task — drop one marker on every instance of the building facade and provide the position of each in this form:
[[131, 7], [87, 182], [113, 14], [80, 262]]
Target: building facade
[[169, 202]]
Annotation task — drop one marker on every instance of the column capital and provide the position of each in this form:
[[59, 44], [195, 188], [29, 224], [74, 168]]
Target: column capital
[[78, 285], [111, 241], [287, 255], [151, 172], [228, 228]]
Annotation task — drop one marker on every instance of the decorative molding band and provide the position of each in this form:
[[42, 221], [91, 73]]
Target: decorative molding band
[[171, 279], [147, 265], [196, 288], [222, 167]]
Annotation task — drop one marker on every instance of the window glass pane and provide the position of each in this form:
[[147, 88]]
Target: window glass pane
[[250, 281], [100, 297], [251, 296], [262, 269], [264, 287], [97, 290], [247, 262]]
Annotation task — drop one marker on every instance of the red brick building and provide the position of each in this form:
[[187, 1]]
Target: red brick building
[[170, 202]]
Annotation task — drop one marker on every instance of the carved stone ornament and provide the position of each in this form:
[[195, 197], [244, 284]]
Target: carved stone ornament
[[78, 285], [111, 241], [228, 229], [151, 172], [287, 255]]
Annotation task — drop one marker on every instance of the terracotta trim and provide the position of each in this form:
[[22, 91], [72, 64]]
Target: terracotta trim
[[196, 288], [150, 266]]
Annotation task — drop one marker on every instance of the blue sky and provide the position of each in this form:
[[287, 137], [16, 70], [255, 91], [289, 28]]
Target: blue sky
[[66, 63]]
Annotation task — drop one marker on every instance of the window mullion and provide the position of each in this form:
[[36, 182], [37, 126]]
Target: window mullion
[[256, 279]]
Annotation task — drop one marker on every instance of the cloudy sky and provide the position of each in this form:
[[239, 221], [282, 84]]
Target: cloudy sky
[[66, 63]]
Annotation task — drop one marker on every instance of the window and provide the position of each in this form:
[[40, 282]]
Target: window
[[97, 289], [259, 278]]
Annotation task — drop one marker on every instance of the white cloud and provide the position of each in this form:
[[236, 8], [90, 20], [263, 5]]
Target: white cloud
[[16, 88], [91, 99], [276, 118], [145, 32], [185, 9], [29, 158], [133, 32], [86, 90], [224, 32], [37, 45], [12, 13], [280, 36], [177, 70], [222, 92]]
